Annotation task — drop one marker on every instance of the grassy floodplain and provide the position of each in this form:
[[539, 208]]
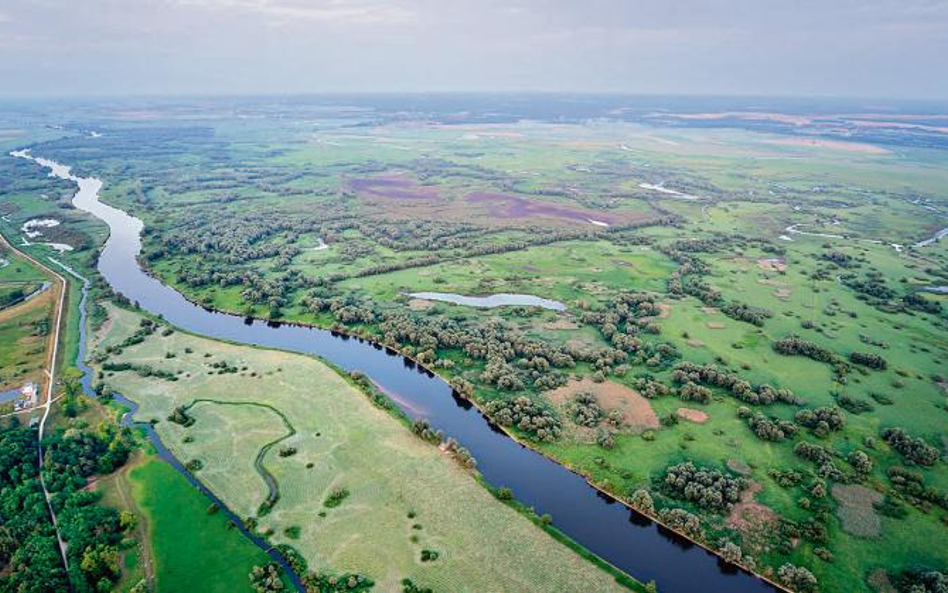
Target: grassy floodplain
[[737, 235], [404, 495]]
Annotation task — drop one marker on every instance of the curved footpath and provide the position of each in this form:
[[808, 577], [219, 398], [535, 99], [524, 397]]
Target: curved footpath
[[596, 520]]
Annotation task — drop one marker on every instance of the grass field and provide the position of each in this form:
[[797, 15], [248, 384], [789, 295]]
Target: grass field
[[193, 549], [24, 326], [404, 495]]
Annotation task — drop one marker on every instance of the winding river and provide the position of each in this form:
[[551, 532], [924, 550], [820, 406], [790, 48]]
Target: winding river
[[619, 535]]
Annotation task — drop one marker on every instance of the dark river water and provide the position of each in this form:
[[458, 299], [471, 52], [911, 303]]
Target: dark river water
[[608, 528]]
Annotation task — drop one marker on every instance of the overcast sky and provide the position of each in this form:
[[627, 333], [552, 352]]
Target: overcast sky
[[853, 48]]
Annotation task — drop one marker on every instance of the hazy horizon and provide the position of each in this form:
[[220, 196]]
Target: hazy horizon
[[882, 49]]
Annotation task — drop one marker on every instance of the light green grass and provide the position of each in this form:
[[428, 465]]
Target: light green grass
[[483, 544]]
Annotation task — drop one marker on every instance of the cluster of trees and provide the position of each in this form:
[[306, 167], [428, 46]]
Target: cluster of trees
[[584, 410], [710, 374], [821, 420], [688, 280], [911, 486], [623, 319], [797, 578], [706, 488], [867, 359], [179, 415], [682, 521], [750, 314], [793, 345], [146, 327], [916, 301], [527, 415], [913, 449], [768, 429], [840, 259], [922, 579], [822, 457], [93, 534], [325, 582], [29, 553], [143, 370], [651, 388], [266, 579]]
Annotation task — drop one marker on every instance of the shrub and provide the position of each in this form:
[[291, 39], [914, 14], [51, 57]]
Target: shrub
[[706, 488], [527, 416], [682, 521], [867, 359], [821, 420], [585, 410], [797, 578], [336, 496], [911, 448]]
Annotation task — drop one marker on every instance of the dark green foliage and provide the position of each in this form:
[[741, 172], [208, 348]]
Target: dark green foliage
[[324, 582], [336, 496], [711, 375], [768, 429], [584, 410], [706, 488], [867, 359], [913, 449], [853, 405], [743, 312], [409, 587], [527, 416], [180, 416], [922, 580], [266, 579], [916, 301], [797, 578], [795, 346], [92, 533], [911, 486], [821, 420]]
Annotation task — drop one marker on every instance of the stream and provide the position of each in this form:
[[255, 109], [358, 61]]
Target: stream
[[621, 536]]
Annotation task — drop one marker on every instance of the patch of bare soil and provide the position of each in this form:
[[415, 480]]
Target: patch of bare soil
[[420, 304], [777, 264], [561, 323], [691, 415], [696, 343], [716, 325], [750, 516], [637, 412], [709, 310]]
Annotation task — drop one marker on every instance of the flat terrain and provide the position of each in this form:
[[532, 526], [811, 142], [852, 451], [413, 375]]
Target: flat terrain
[[405, 496], [753, 292]]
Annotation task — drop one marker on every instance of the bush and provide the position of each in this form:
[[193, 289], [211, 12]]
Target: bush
[[584, 410], [336, 496], [821, 420], [706, 488], [867, 359], [911, 448], [797, 578], [527, 416]]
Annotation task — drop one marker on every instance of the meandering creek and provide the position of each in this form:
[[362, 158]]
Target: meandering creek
[[621, 536]]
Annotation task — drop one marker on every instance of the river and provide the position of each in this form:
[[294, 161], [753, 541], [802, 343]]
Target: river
[[621, 536]]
